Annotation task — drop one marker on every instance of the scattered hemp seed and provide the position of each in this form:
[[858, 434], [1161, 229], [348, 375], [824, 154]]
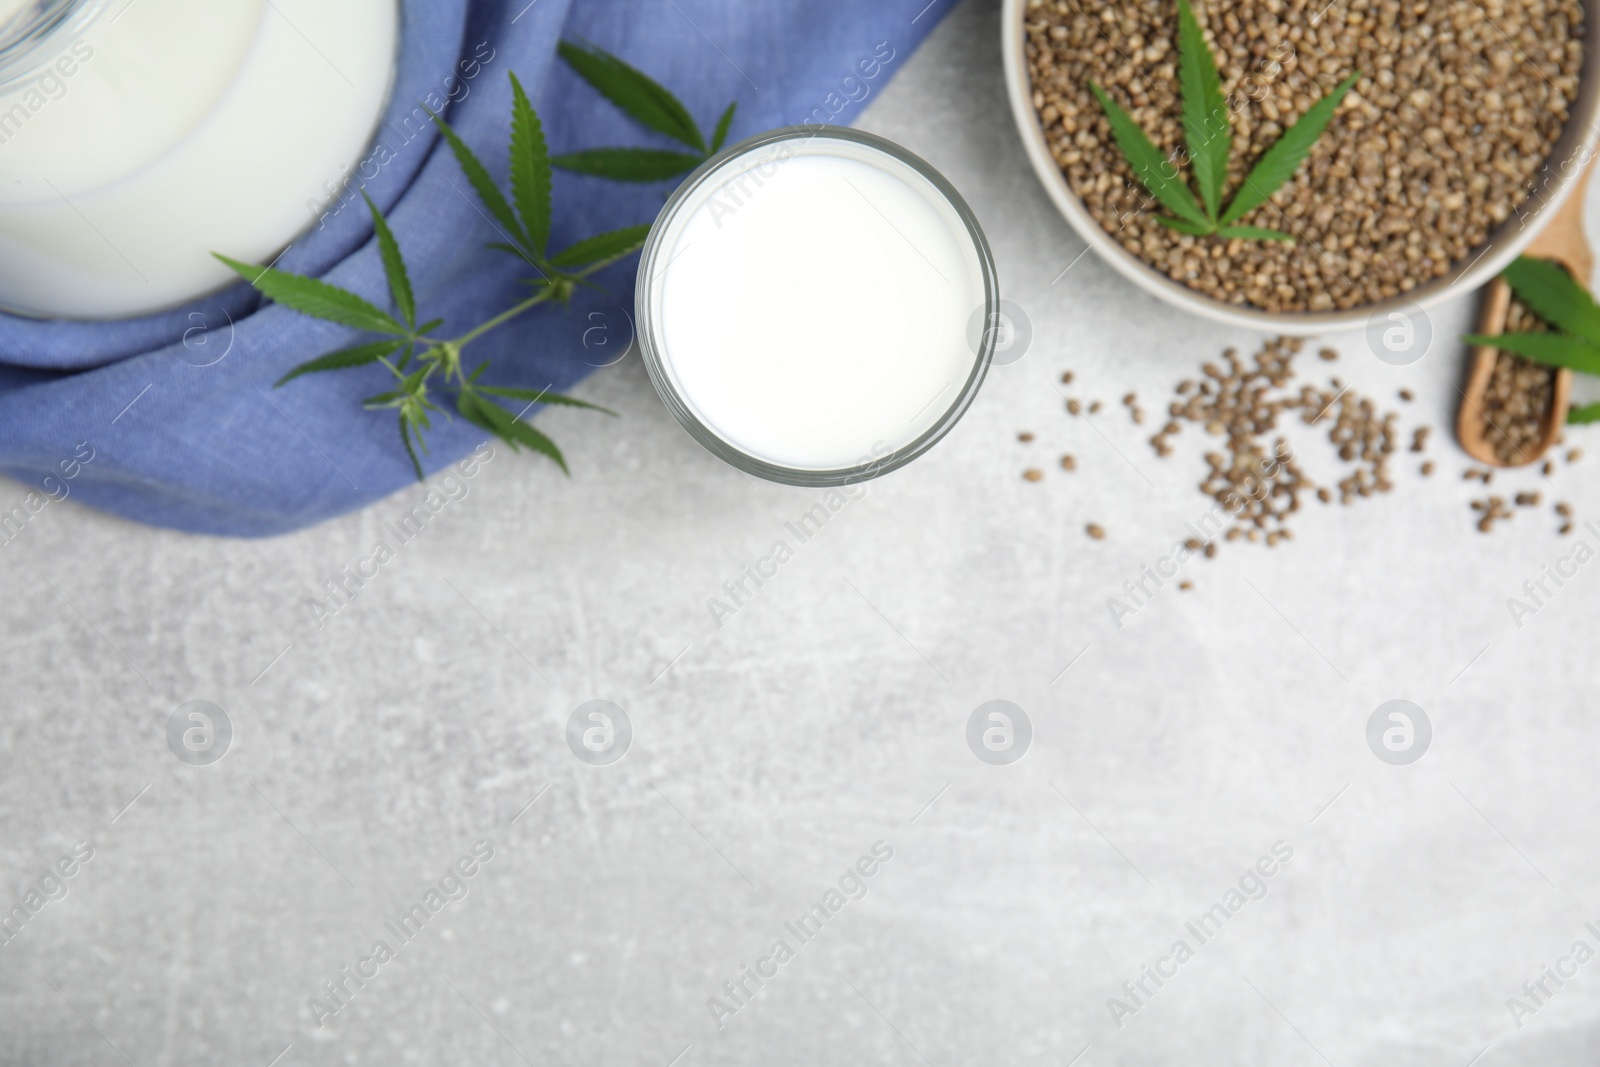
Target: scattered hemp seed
[[1253, 471], [1405, 394], [1491, 509], [1033, 474], [1328, 354], [1527, 500], [1564, 510], [1066, 377], [1566, 528], [1574, 455], [1094, 407], [1025, 437], [1549, 468], [1186, 585]]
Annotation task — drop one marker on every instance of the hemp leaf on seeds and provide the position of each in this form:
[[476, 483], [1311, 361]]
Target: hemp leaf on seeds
[[1552, 294], [1207, 128]]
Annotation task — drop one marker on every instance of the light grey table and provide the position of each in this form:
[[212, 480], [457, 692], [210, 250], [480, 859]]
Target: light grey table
[[827, 714]]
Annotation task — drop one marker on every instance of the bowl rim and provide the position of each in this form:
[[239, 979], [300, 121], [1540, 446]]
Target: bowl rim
[[1573, 149]]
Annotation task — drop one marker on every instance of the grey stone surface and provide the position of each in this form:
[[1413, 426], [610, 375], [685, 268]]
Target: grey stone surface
[[827, 714]]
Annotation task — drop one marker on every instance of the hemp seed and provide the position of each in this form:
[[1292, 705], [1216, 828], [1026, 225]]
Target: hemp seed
[[1516, 403]]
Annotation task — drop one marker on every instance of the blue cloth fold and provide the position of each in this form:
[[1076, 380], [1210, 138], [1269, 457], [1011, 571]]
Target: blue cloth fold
[[186, 428]]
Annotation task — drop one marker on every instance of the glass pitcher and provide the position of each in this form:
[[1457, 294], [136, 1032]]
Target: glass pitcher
[[139, 136]]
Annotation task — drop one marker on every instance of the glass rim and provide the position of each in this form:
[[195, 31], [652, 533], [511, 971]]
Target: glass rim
[[27, 40], [868, 468]]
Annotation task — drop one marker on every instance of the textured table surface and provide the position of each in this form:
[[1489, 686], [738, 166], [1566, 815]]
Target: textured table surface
[[769, 754]]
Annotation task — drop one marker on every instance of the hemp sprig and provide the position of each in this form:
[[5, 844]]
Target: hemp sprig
[[428, 368], [1552, 294], [1207, 128]]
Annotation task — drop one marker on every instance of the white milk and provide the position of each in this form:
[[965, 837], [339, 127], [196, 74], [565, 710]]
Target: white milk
[[170, 129], [9, 9], [809, 303]]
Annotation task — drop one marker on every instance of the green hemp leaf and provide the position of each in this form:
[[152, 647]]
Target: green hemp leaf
[[1207, 129], [648, 103], [1552, 294]]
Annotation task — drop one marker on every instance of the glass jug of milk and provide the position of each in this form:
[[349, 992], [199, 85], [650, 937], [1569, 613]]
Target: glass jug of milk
[[139, 136]]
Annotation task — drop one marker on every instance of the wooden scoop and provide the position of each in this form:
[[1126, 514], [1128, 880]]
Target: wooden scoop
[[1562, 240]]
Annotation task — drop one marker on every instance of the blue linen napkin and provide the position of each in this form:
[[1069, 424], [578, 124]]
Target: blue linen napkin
[[178, 409]]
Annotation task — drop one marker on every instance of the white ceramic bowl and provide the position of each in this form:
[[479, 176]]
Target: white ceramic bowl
[[1575, 148]]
